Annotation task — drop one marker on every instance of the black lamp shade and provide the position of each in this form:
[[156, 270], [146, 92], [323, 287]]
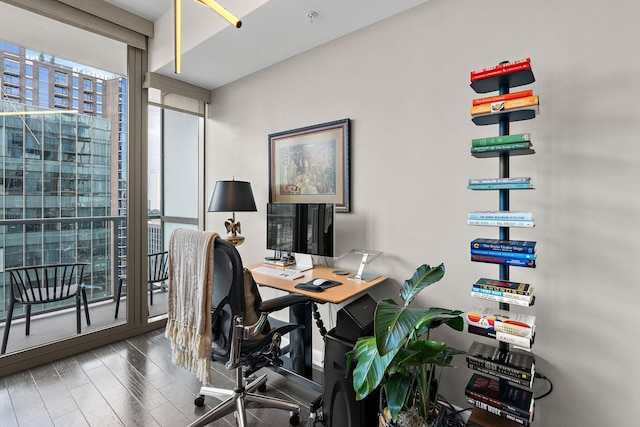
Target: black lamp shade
[[232, 196]]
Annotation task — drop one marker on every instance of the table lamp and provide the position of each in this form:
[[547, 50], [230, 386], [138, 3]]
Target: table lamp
[[232, 196]]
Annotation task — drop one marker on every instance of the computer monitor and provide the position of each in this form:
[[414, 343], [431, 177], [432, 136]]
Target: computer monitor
[[300, 228]]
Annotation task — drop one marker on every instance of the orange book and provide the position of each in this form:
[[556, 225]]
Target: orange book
[[509, 104], [504, 97]]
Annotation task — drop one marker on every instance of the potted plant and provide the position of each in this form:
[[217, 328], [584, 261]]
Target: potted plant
[[400, 357]]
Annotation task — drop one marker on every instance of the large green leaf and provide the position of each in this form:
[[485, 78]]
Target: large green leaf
[[371, 367], [396, 391], [393, 323], [434, 317], [424, 276]]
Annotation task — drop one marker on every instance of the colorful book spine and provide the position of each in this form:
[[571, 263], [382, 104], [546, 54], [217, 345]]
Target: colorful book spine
[[504, 245], [504, 286], [519, 324], [511, 180], [497, 140], [509, 104], [500, 223], [515, 262], [501, 186], [486, 407], [512, 295], [502, 147], [496, 98], [501, 215], [515, 380], [504, 68], [504, 396], [504, 299], [503, 254], [521, 342]]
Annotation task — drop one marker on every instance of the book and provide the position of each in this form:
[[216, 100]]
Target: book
[[505, 299], [504, 245], [501, 186], [509, 322], [523, 297], [531, 263], [515, 380], [504, 97], [506, 215], [513, 363], [497, 140], [504, 286], [500, 69], [508, 104], [513, 115], [499, 412], [514, 180], [482, 418], [521, 342], [500, 223], [502, 147], [503, 254], [501, 395]]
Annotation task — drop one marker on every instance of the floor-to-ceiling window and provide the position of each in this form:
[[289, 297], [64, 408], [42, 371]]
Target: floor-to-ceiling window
[[66, 114]]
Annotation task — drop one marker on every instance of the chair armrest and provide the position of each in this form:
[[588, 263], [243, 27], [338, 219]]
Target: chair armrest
[[284, 301]]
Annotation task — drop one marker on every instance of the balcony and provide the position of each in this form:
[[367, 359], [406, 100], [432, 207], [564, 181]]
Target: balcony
[[94, 240]]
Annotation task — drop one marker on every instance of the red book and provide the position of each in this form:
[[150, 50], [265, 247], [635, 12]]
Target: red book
[[502, 71], [499, 67], [504, 97]]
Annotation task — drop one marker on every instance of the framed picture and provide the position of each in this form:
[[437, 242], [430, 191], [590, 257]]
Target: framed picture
[[311, 165]]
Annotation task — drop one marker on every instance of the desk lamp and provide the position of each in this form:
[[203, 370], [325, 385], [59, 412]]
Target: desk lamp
[[232, 196]]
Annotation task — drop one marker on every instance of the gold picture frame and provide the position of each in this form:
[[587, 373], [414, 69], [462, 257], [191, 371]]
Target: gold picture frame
[[311, 165]]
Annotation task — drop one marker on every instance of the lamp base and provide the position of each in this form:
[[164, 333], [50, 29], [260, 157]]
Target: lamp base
[[235, 240]]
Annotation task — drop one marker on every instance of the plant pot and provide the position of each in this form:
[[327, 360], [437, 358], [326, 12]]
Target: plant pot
[[409, 418]]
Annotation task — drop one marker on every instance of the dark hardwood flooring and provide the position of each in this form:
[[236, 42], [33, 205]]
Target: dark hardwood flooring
[[129, 383]]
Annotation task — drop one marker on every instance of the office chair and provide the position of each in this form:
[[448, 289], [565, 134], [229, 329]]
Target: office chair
[[157, 272], [41, 284], [244, 338]]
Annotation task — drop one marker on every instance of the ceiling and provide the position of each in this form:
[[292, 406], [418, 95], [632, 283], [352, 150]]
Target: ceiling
[[215, 53]]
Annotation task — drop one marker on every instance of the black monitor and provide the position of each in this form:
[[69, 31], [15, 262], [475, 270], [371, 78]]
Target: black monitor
[[300, 228]]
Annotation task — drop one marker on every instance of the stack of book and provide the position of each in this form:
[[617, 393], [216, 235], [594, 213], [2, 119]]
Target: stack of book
[[515, 366], [519, 253], [505, 326], [501, 398], [503, 291], [500, 183], [516, 142]]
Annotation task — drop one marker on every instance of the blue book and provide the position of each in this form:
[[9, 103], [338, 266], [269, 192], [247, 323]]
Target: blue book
[[521, 255], [500, 186], [504, 245], [515, 262]]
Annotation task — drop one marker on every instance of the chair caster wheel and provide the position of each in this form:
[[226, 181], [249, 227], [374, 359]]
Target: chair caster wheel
[[262, 387], [294, 419], [199, 401]]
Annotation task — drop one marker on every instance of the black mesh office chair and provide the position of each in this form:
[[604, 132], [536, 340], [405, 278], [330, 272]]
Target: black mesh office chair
[[243, 337]]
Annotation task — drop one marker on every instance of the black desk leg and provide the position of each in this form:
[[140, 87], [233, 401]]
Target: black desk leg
[[301, 345]]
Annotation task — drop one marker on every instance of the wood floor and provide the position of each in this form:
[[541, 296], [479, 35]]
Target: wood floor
[[129, 383]]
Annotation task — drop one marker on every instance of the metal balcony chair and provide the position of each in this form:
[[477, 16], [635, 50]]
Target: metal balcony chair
[[43, 284], [157, 273]]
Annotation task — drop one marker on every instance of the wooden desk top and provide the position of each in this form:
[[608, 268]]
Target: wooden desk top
[[337, 294]]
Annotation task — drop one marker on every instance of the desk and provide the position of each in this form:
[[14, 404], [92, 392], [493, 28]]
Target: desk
[[301, 344]]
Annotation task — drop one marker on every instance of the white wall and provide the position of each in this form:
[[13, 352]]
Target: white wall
[[405, 85]]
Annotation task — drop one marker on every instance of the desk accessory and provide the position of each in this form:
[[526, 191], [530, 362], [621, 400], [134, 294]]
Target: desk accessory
[[367, 257], [317, 285]]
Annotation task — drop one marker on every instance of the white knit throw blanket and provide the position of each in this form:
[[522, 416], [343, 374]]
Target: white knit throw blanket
[[189, 299]]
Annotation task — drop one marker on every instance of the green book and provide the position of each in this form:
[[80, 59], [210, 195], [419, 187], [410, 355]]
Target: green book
[[502, 147], [497, 140]]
